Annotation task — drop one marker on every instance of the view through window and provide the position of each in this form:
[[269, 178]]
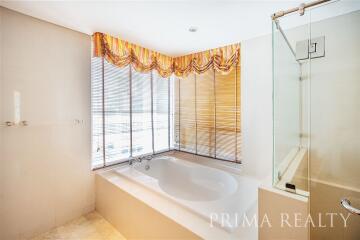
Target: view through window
[[137, 113], [131, 113]]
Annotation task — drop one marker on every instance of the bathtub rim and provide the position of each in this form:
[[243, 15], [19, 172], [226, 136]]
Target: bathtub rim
[[230, 166], [197, 224], [179, 214]]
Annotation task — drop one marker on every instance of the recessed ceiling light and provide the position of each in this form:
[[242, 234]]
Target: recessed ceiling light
[[193, 29]]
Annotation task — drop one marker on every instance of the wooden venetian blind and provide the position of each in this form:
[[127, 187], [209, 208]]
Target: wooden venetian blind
[[207, 114], [187, 114]]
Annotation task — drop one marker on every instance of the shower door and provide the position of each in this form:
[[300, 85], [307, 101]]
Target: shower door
[[335, 124], [290, 101], [317, 114]]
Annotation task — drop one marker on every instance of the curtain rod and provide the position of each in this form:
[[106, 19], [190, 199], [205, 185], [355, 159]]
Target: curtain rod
[[301, 8]]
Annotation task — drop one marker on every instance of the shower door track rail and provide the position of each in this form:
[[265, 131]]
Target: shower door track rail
[[301, 8]]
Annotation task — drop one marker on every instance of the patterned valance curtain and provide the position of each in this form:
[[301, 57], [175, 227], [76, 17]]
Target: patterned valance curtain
[[223, 60], [121, 53]]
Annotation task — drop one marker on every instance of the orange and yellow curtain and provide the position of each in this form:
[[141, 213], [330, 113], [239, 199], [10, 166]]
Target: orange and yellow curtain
[[223, 60], [121, 53]]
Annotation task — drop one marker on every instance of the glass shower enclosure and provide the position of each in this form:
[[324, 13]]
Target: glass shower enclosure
[[316, 114]]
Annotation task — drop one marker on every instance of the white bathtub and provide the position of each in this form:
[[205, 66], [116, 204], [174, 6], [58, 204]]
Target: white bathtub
[[204, 190]]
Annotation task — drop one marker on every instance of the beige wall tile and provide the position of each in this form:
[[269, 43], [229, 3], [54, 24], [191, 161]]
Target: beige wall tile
[[45, 168]]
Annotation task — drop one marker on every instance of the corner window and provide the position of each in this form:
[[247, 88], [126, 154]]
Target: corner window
[[137, 113]]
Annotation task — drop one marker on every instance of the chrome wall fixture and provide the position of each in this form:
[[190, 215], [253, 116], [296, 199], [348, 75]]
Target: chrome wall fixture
[[25, 123], [345, 203], [12, 124]]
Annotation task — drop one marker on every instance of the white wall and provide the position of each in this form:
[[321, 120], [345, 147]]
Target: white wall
[[256, 106], [45, 168]]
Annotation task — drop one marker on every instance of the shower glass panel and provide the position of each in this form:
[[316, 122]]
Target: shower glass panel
[[317, 114], [335, 122], [290, 86]]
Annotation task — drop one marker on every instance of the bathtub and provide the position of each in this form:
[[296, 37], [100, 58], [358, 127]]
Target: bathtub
[[216, 192]]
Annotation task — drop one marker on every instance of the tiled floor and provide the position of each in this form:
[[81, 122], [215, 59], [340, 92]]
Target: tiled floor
[[89, 227]]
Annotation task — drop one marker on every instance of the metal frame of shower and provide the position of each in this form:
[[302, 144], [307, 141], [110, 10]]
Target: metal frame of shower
[[301, 8], [285, 38]]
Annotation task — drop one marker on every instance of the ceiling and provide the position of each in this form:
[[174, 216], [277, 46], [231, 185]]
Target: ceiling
[[163, 25]]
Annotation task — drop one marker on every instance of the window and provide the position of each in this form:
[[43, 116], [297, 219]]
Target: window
[[130, 113], [207, 114], [140, 113], [162, 112]]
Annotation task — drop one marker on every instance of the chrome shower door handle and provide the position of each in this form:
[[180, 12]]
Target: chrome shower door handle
[[347, 205]]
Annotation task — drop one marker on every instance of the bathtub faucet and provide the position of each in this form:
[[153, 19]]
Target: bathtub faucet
[[149, 157], [139, 159], [133, 160], [145, 157]]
